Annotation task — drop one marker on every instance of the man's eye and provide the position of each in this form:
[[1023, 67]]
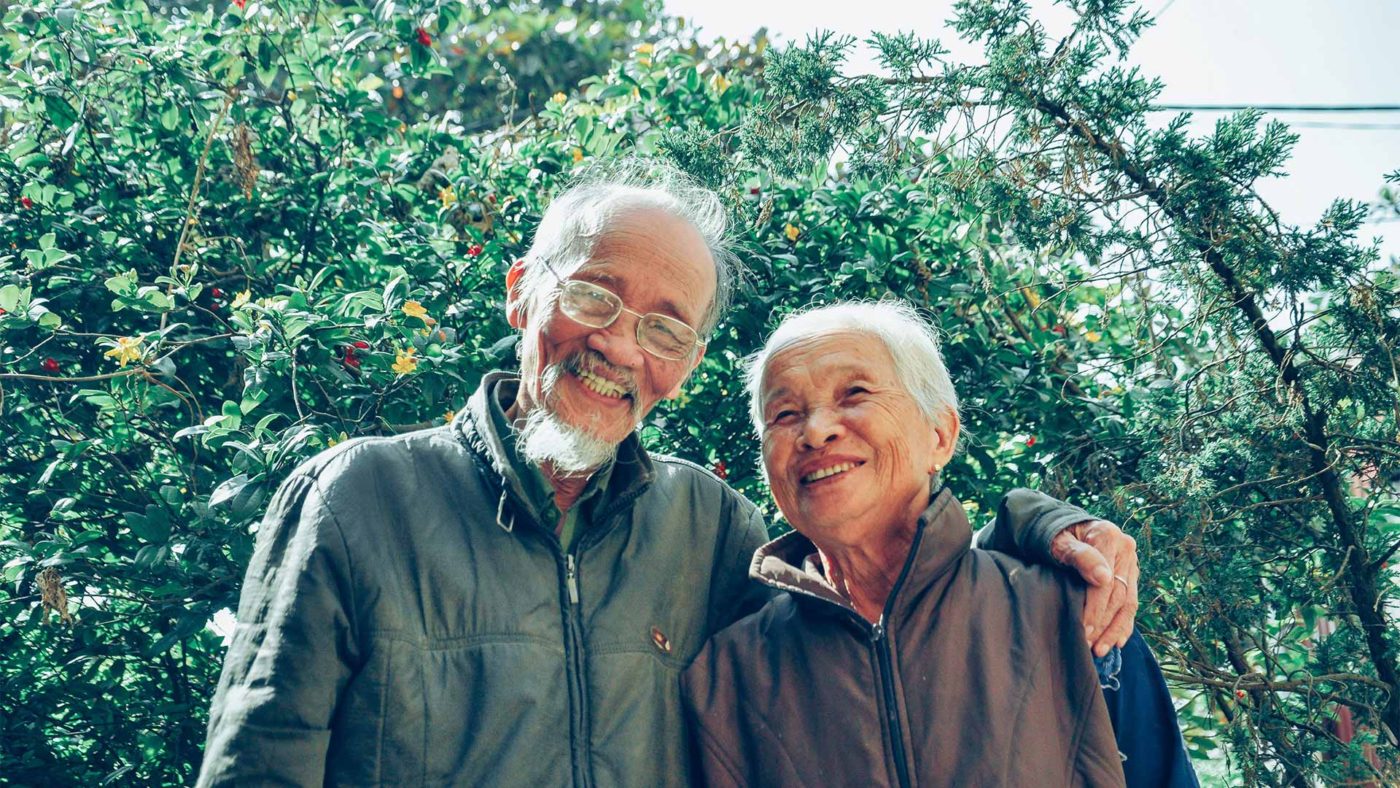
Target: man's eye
[[857, 391]]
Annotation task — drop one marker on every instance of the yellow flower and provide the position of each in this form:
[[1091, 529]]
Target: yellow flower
[[333, 441], [415, 309], [128, 350], [559, 98], [721, 84], [447, 195], [645, 49], [449, 416], [578, 155], [791, 232], [241, 300], [1093, 336], [404, 362]]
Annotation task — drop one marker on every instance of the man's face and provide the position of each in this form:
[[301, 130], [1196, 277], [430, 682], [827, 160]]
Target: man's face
[[599, 380]]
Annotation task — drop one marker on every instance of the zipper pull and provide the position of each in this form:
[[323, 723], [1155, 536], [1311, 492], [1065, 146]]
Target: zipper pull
[[571, 578], [877, 632]]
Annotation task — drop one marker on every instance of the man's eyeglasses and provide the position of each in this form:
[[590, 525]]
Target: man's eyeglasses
[[597, 307]]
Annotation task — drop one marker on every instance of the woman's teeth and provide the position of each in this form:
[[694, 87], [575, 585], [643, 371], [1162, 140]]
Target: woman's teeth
[[601, 385], [825, 472]]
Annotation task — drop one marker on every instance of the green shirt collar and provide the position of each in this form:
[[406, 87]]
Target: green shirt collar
[[534, 484]]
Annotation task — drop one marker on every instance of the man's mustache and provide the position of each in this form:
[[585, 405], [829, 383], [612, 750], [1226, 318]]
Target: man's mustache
[[594, 362]]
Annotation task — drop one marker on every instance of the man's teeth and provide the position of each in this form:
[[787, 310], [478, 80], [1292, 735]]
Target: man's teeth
[[825, 472], [601, 385]]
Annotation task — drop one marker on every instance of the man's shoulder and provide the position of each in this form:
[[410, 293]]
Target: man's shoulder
[[673, 473], [372, 461]]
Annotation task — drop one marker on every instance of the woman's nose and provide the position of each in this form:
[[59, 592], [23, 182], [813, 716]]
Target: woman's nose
[[822, 426]]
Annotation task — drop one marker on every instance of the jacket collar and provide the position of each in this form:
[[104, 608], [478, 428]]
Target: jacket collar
[[484, 428], [791, 563]]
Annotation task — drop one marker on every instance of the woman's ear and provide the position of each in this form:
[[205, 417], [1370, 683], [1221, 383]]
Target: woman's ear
[[945, 440]]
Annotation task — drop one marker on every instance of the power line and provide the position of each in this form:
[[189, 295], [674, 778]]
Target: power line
[[1277, 107], [1303, 124]]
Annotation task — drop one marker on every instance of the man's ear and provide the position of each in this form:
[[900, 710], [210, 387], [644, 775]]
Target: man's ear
[[515, 296], [695, 362]]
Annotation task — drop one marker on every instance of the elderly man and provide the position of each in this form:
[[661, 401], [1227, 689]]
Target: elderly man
[[510, 599], [895, 654]]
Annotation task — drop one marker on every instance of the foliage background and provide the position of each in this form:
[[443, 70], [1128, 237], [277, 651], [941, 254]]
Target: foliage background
[[233, 234]]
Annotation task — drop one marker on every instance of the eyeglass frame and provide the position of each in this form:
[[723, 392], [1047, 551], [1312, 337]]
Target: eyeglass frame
[[698, 345]]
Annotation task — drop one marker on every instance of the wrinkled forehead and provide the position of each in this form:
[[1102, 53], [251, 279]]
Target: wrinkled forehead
[[822, 357]]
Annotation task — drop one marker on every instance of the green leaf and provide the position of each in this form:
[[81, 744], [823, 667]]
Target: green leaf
[[60, 112], [10, 299], [228, 489]]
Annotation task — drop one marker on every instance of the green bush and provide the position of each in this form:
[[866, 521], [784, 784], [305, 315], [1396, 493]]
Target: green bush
[[233, 236]]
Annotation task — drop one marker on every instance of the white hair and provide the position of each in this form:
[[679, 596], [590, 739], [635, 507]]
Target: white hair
[[911, 341], [584, 212]]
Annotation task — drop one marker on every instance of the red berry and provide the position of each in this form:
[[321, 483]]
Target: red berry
[[423, 37], [240, 3], [50, 365], [1030, 441], [1239, 694], [474, 250], [25, 202], [361, 344], [1059, 329], [721, 470], [755, 190], [216, 292], [350, 360]]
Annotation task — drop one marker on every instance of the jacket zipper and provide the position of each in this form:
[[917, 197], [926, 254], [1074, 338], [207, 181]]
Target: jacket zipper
[[574, 667], [881, 644]]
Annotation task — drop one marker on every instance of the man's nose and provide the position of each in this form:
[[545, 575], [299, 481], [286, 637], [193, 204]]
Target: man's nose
[[618, 343], [822, 426]]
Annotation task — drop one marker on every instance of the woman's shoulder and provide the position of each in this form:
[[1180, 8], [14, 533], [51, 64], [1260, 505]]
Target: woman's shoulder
[[1032, 587]]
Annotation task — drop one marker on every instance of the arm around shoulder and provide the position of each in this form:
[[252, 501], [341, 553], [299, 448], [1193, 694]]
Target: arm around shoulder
[[292, 651], [1027, 522]]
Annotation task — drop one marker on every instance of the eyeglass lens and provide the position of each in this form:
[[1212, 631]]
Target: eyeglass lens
[[597, 307]]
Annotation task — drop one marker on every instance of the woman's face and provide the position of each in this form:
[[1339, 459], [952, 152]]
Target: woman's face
[[848, 452]]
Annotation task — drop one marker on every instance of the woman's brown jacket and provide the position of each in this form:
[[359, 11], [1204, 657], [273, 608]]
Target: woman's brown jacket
[[977, 675]]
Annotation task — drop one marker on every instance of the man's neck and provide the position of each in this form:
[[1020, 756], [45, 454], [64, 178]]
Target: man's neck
[[567, 486]]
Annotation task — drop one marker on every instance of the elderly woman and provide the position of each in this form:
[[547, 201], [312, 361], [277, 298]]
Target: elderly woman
[[898, 655]]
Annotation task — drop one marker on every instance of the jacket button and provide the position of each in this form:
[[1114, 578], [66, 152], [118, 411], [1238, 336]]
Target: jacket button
[[659, 639]]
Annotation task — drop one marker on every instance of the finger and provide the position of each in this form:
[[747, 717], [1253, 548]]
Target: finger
[[1123, 609], [1096, 611], [1117, 631], [1089, 563]]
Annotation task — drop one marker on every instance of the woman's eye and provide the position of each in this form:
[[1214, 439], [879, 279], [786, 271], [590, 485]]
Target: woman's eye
[[856, 391], [784, 416]]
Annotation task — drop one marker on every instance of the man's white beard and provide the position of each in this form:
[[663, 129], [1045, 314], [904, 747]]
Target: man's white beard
[[546, 438]]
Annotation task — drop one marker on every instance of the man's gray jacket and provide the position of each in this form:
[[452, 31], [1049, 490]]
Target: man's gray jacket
[[409, 618]]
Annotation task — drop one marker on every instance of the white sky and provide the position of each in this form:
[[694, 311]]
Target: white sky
[[1206, 52]]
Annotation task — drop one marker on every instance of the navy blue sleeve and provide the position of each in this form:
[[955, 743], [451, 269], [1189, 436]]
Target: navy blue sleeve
[[1144, 722]]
